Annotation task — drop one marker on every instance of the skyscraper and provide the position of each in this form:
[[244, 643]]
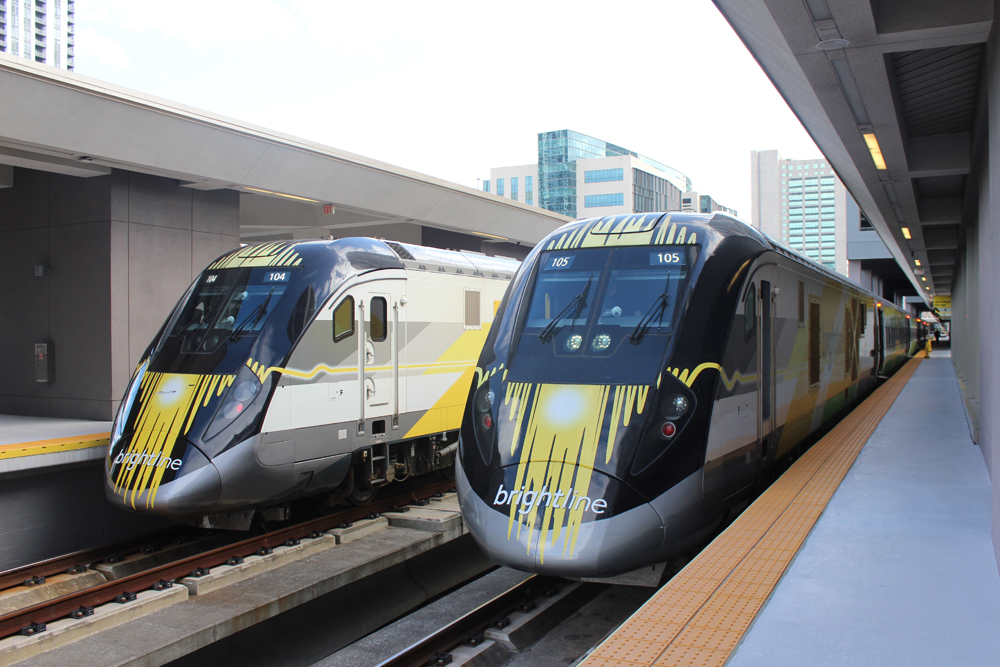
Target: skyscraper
[[40, 30], [802, 204]]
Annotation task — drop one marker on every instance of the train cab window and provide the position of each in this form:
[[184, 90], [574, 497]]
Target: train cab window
[[378, 319], [343, 320], [750, 312]]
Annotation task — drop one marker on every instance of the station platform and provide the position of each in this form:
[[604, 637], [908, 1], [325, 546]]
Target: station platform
[[874, 548], [28, 443]]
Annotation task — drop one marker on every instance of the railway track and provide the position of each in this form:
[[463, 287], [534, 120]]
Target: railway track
[[468, 630], [35, 574], [32, 620]]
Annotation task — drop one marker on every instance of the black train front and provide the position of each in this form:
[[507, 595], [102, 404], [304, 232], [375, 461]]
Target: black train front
[[642, 372]]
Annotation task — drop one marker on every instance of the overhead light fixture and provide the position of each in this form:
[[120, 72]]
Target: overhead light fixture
[[281, 194], [874, 149], [491, 236], [917, 262], [924, 278], [906, 233]]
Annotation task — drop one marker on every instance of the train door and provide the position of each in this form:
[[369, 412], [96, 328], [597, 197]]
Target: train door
[[879, 340], [380, 349], [741, 465], [766, 396]]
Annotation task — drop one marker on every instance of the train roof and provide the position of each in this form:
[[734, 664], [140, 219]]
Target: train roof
[[368, 253], [437, 260], [667, 228]]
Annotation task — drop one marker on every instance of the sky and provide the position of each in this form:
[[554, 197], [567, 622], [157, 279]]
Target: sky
[[453, 88]]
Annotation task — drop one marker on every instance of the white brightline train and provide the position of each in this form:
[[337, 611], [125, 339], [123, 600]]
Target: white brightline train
[[303, 368]]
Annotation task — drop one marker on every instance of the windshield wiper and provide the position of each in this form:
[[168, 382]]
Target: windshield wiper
[[256, 314], [580, 300], [647, 320]]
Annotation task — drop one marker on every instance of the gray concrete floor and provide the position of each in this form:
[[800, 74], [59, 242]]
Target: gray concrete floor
[[15, 429], [900, 569]]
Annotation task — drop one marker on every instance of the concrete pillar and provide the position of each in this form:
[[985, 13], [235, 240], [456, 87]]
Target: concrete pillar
[[117, 251]]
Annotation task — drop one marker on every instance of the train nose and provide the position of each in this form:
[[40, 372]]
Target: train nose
[[185, 484], [609, 532]]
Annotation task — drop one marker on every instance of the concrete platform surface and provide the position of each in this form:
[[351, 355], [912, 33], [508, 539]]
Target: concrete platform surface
[[16, 429], [30, 443], [900, 569]]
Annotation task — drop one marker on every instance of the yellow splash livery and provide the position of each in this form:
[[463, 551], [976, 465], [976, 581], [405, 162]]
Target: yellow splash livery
[[643, 373]]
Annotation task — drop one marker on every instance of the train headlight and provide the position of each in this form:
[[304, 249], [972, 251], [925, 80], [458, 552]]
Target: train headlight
[[574, 342], [484, 401], [126, 405], [245, 392], [675, 406], [601, 342], [245, 389]]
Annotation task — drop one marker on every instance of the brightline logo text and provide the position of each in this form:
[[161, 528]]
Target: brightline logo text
[[526, 500]]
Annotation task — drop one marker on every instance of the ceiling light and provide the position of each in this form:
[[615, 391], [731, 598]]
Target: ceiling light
[[917, 262], [876, 152], [924, 278], [281, 194], [491, 236], [906, 233]]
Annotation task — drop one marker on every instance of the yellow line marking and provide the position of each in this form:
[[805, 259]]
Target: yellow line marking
[[53, 445], [700, 616]]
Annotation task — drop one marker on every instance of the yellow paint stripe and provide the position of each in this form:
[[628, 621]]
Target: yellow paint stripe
[[701, 615], [53, 445]]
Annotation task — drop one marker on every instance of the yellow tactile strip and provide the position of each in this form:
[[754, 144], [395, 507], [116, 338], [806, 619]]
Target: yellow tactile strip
[[54, 445], [700, 616]]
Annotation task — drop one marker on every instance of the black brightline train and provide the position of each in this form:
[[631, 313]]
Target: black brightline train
[[642, 373]]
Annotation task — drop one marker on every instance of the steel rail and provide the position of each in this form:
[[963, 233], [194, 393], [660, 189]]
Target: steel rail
[[17, 576], [61, 607], [426, 650]]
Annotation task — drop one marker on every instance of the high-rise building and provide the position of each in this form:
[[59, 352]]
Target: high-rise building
[[581, 177], [40, 30], [802, 204]]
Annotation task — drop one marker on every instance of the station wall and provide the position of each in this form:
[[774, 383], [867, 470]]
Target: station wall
[[976, 286], [119, 250]]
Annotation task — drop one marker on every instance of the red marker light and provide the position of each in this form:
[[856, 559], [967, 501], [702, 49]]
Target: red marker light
[[668, 430], [487, 421]]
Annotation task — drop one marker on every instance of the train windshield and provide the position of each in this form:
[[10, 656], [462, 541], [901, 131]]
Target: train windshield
[[227, 305], [610, 308]]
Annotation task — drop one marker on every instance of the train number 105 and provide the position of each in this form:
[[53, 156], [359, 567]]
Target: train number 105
[[560, 262], [665, 258]]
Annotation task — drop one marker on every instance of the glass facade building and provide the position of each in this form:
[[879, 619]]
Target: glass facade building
[[558, 153], [40, 30]]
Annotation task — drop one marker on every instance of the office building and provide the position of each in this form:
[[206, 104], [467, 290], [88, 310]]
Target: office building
[[582, 177], [697, 203], [39, 30], [802, 204]]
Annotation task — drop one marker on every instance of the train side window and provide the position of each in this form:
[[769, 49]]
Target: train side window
[[814, 344], [377, 321], [750, 312], [802, 303], [472, 315], [343, 320], [863, 319]]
